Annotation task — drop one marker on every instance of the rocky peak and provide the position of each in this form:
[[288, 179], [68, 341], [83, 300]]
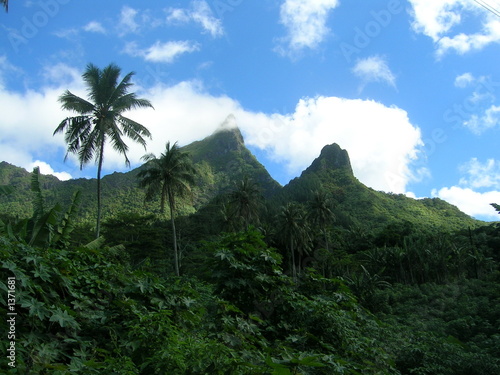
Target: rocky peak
[[331, 157]]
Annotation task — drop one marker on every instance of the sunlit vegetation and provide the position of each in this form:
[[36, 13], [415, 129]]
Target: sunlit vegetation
[[205, 265]]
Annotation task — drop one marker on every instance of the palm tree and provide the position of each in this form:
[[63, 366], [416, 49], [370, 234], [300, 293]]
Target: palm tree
[[245, 201], [320, 212], [101, 119], [5, 4], [171, 175], [293, 229]]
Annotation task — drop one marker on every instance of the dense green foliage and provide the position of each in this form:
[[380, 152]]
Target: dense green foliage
[[323, 276]]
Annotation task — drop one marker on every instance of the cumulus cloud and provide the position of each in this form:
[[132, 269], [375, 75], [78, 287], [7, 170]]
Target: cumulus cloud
[[479, 123], [200, 13], [476, 190], [47, 169], [381, 141], [374, 69], [481, 175], [28, 121], [162, 52], [471, 202], [441, 21], [306, 24]]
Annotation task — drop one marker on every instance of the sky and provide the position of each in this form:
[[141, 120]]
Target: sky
[[411, 89]]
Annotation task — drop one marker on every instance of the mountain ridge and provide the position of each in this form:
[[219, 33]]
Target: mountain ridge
[[222, 159]]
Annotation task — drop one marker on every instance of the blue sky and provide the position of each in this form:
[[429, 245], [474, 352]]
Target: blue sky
[[411, 89]]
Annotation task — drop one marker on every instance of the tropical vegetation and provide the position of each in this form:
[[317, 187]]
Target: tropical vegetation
[[240, 275]]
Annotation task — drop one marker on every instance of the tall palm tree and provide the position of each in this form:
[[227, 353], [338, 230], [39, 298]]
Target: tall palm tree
[[293, 229], [171, 175], [100, 118], [320, 212], [245, 201], [5, 4]]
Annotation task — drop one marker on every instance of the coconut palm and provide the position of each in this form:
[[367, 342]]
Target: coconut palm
[[320, 213], [293, 228], [171, 175], [100, 119], [245, 201]]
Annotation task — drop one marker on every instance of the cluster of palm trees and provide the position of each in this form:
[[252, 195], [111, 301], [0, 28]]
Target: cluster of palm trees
[[294, 226]]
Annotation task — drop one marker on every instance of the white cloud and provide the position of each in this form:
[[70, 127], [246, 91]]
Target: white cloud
[[464, 80], [47, 169], [381, 141], [199, 13], [478, 112], [177, 15], [27, 123], [306, 23], [481, 175], [440, 19], [479, 123], [381, 158], [127, 22], [471, 202], [476, 190], [162, 52], [374, 69], [95, 27]]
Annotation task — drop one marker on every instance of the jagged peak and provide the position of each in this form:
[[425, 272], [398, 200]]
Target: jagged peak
[[331, 157], [229, 126]]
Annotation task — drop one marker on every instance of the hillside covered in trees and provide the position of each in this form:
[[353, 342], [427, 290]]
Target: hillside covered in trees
[[198, 262], [321, 276]]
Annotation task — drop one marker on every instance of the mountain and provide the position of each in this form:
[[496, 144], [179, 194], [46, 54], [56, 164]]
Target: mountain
[[220, 159], [358, 205]]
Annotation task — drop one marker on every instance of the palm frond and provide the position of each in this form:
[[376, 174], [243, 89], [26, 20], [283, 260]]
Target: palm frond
[[118, 143], [5, 4], [120, 91], [89, 148], [92, 77], [130, 101], [72, 102]]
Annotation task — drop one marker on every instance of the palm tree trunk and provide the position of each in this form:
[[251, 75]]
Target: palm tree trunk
[[294, 271], [172, 220], [326, 239], [99, 167]]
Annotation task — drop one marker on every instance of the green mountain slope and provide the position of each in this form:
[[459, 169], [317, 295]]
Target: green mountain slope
[[220, 159], [223, 159], [356, 204]]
